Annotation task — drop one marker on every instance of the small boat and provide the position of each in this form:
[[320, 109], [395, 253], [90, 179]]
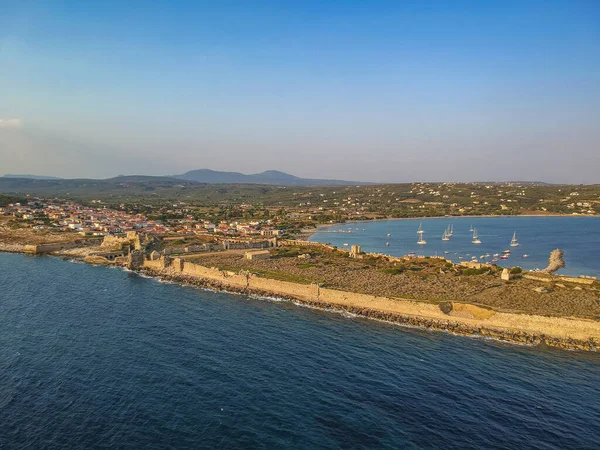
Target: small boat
[[496, 255], [421, 241], [420, 230], [387, 244], [525, 255], [504, 257], [460, 257], [495, 260], [345, 245], [476, 239], [472, 229], [450, 231], [513, 242], [411, 253], [389, 234], [446, 252], [506, 252]]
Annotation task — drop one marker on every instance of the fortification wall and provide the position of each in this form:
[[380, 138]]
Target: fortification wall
[[561, 278], [461, 319], [110, 241], [50, 247], [226, 278], [308, 292], [306, 244], [157, 264]]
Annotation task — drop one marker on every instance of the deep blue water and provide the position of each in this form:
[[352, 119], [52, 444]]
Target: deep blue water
[[579, 237], [95, 357]]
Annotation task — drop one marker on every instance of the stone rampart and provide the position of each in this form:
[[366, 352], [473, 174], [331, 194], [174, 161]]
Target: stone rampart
[[460, 318], [50, 247], [306, 244], [308, 292], [561, 278]]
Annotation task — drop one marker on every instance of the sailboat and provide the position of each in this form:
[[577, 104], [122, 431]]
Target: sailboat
[[450, 231], [472, 229], [475, 237], [420, 230], [421, 241], [445, 236], [513, 242]]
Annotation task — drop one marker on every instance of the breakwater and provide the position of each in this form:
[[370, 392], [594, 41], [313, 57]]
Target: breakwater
[[458, 318]]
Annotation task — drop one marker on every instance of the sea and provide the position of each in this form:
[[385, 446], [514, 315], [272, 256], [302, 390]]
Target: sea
[[97, 357], [578, 237]]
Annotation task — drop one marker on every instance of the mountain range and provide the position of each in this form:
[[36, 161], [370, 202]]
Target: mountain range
[[273, 177], [207, 176]]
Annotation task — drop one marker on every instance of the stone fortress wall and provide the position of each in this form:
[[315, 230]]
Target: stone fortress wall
[[456, 317]]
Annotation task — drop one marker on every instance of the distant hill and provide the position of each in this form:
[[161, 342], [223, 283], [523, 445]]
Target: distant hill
[[273, 177], [30, 177]]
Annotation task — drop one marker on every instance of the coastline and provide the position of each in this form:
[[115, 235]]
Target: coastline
[[566, 333], [462, 319], [306, 235], [530, 326]]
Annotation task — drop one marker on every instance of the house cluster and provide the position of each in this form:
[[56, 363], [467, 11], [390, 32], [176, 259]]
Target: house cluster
[[69, 216], [72, 217]]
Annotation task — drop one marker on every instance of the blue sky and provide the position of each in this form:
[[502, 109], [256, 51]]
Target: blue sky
[[367, 90]]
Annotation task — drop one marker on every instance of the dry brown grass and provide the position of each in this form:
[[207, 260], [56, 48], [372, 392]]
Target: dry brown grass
[[423, 281]]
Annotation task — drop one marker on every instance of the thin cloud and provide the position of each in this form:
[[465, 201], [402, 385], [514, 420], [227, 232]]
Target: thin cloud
[[11, 123]]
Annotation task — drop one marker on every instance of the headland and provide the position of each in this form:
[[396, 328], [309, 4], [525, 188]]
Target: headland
[[472, 299]]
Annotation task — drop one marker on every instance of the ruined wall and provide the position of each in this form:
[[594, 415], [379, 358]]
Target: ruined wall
[[224, 277], [157, 264], [285, 288], [116, 242], [460, 318], [50, 247], [561, 278], [135, 259]]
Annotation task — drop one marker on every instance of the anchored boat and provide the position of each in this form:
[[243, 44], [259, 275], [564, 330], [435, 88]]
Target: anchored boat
[[514, 242]]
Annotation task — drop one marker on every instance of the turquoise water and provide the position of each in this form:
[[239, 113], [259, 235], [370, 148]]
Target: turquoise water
[[579, 237], [92, 357]]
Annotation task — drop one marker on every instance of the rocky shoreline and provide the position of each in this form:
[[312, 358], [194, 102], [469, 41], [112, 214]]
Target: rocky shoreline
[[514, 336], [446, 322]]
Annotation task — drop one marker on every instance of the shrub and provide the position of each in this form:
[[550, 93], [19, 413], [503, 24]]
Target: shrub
[[475, 271], [516, 270], [393, 270]]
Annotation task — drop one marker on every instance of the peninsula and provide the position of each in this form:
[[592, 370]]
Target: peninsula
[[470, 298]]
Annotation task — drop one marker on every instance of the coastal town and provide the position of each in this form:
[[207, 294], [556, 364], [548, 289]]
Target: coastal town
[[65, 216], [260, 247], [271, 211]]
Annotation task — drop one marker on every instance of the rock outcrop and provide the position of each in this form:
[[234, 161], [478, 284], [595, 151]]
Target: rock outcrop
[[555, 261]]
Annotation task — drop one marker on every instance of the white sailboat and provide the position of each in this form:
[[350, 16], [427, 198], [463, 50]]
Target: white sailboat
[[472, 229], [445, 236], [513, 242], [420, 230], [421, 241], [476, 239], [450, 231]]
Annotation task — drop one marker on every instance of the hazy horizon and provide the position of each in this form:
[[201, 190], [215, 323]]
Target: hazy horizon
[[376, 91]]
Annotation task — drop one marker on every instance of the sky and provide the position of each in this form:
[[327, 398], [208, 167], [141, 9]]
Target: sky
[[385, 91]]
